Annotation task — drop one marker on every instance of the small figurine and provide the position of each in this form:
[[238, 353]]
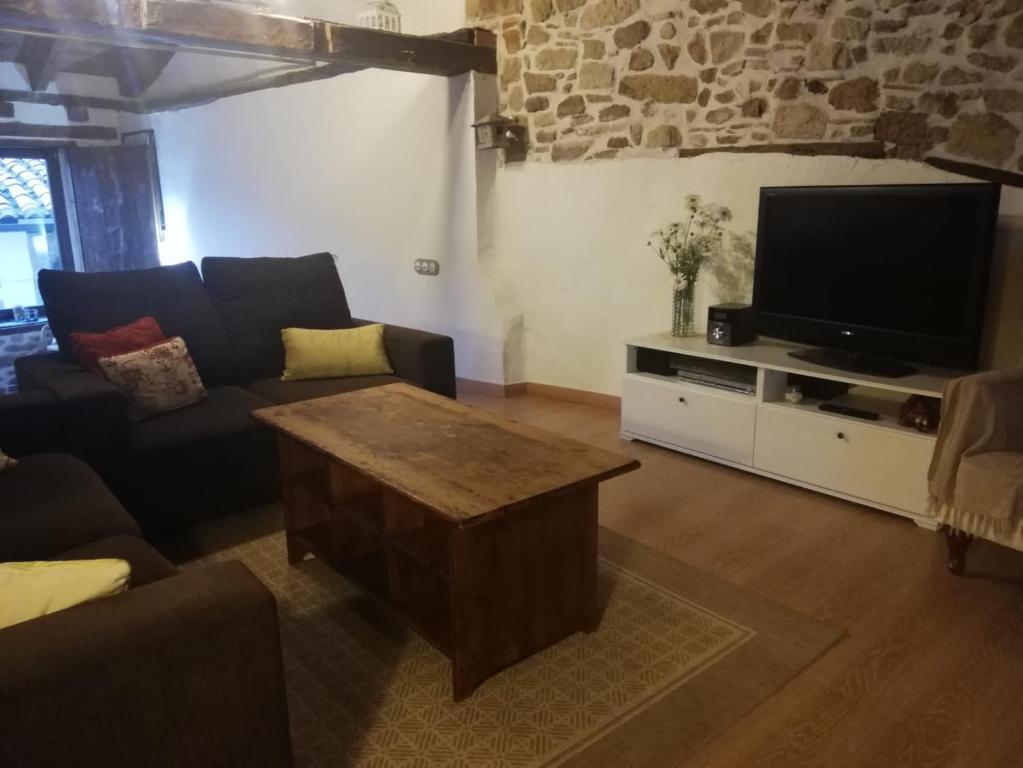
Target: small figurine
[[921, 413]]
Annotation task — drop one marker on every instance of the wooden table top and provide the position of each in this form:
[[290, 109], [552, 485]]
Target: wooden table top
[[459, 461]]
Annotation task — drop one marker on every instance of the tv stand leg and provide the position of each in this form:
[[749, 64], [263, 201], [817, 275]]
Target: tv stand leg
[[958, 542]]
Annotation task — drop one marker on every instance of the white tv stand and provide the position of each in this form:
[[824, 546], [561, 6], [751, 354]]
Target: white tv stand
[[878, 463]]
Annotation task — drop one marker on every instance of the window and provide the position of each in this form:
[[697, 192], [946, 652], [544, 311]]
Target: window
[[33, 225]]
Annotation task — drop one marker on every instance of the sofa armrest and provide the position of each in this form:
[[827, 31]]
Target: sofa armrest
[[184, 671], [424, 358], [30, 423], [980, 413], [95, 412]]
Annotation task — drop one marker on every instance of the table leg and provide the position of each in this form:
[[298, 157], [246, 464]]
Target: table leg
[[521, 583]]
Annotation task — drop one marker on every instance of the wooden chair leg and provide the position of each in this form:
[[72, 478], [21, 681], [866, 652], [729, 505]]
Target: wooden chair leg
[[958, 542]]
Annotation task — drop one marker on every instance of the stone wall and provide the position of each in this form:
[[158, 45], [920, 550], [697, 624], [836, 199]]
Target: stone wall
[[913, 79]]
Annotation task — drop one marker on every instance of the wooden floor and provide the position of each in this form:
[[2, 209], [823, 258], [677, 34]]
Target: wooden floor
[[931, 672]]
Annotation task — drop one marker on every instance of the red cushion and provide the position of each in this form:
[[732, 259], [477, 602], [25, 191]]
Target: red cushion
[[88, 348]]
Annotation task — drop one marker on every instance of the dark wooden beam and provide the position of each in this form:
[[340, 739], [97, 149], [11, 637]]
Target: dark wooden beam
[[162, 27], [974, 171], [62, 100], [40, 58], [198, 98], [406, 53], [138, 70], [235, 28], [34, 131], [6, 109], [77, 114], [204, 27], [867, 149], [68, 11], [469, 36]]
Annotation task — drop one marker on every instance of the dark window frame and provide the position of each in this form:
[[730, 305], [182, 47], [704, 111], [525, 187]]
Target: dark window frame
[[52, 157]]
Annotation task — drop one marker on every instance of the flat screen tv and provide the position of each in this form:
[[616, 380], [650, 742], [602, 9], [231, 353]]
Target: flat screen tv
[[891, 272]]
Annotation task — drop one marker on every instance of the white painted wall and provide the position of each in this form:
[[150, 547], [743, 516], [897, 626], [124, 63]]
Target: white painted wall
[[569, 241], [377, 167]]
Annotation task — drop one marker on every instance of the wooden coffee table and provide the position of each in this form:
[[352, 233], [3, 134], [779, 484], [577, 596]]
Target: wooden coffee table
[[479, 531]]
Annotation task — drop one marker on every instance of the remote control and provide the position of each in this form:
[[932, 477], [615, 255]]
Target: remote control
[[846, 410]]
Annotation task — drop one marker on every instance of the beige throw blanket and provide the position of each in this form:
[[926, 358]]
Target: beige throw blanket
[[977, 470]]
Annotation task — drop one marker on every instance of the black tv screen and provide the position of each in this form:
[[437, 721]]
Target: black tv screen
[[893, 271]]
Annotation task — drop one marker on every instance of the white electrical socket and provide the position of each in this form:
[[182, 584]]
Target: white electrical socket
[[427, 267]]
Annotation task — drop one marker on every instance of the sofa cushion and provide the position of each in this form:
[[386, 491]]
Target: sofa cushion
[[35, 589], [258, 298], [147, 565], [157, 379], [174, 296], [282, 392], [54, 502], [87, 349], [333, 354], [224, 412]]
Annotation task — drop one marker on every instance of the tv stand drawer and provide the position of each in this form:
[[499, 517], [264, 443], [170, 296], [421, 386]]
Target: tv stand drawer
[[873, 463], [690, 417]]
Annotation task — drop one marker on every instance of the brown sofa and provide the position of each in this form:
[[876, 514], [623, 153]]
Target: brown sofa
[[184, 669]]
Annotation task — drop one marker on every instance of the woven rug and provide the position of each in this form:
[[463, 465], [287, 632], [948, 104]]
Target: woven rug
[[678, 656]]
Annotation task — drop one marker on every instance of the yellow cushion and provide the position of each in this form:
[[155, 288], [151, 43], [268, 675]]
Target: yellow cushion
[[332, 354], [31, 590]]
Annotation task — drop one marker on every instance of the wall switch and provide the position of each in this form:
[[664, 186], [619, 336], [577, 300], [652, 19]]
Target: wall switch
[[427, 267]]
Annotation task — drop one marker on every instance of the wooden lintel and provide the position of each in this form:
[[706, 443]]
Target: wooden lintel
[[35, 131], [974, 171], [63, 100], [138, 69], [865, 149], [198, 98], [406, 53], [39, 57]]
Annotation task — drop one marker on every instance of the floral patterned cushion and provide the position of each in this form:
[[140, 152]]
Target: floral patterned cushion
[[158, 379]]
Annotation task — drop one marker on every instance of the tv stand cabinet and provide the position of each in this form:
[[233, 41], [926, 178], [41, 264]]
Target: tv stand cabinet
[[877, 463]]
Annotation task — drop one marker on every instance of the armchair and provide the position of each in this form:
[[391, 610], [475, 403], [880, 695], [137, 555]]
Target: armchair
[[182, 671], [976, 475]]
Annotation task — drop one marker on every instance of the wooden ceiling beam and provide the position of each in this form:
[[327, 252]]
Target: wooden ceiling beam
[[40, 56], [143, 35], [63, 100], [202, 27], [34, 131], [68, 12], [406, 53], [138, 69], [219, 26]]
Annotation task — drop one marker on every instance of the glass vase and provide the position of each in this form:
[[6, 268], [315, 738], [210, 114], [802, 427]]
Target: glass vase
[[682, 307]]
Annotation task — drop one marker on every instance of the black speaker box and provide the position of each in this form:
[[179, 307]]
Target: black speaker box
[[730, 325]]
